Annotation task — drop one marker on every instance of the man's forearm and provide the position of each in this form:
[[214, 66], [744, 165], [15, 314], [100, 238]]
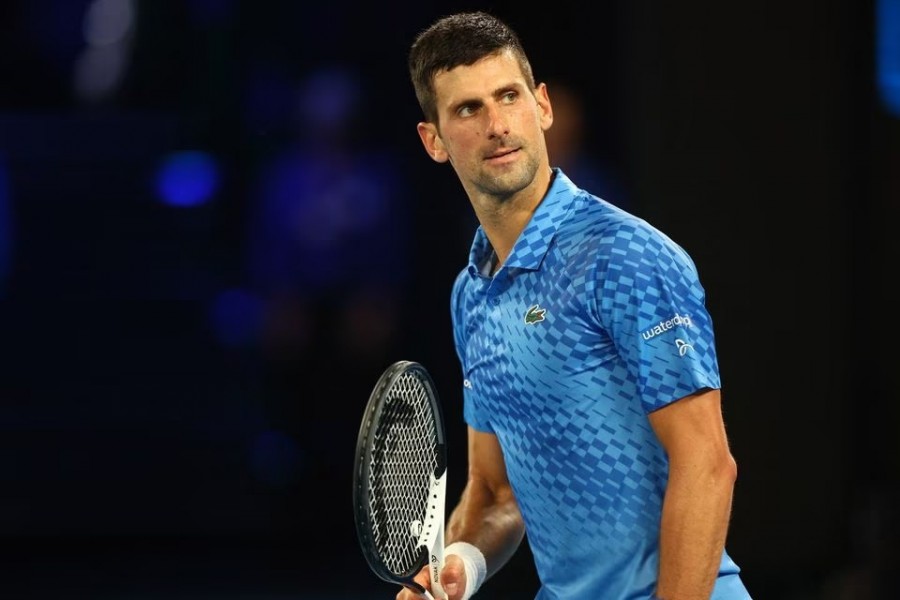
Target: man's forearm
[[696, 513], [491, 522]]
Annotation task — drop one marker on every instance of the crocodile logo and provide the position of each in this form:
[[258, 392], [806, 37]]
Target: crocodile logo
[[534, 315]]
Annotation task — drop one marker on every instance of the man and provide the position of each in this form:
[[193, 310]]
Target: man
[[590, 377]]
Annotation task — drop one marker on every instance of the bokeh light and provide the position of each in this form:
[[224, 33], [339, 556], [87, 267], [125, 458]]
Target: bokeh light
[[888, 54], [187, 178]]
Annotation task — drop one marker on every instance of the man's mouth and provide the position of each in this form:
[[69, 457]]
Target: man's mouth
[[502, 153]]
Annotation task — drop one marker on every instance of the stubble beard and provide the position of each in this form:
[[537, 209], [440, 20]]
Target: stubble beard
[[507, 184]]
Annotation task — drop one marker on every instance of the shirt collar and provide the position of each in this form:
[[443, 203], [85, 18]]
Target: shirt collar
[[534, 241]]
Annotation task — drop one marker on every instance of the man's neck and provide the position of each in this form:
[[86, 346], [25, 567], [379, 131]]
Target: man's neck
[[503, 222]]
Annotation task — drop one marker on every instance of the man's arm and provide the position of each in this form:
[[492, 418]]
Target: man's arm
[[697, 504], [487, 516]]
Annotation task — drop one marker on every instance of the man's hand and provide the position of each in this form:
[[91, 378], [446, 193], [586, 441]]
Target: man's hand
[[453, 580]]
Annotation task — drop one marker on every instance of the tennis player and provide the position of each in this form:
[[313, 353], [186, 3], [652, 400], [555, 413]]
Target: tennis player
[[588, 361]]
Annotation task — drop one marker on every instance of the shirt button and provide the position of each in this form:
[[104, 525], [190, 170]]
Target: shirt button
[[496, 301]]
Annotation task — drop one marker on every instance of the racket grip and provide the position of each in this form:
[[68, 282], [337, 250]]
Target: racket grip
[[434, 541], [439, 595], [437, 591]]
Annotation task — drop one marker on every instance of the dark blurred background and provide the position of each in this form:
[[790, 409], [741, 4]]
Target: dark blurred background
[[218, 226]]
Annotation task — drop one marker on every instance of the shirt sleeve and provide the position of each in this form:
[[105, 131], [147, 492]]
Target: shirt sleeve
[[650, 300]]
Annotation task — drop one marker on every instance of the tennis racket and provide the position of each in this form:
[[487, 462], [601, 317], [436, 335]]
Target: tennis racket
[[400, 478]]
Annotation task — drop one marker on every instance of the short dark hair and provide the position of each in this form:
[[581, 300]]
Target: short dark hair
[[455, 40]]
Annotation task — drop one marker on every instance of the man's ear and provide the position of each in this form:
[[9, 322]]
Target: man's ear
[[543, 100], [432, 142]]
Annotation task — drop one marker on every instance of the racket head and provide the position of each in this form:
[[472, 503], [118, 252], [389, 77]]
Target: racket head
[[400, 452]]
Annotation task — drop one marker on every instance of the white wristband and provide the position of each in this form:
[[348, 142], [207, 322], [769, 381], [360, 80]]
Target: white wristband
[[476, 567]]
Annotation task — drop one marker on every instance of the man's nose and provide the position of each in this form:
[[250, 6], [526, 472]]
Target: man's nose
[[497, 125]]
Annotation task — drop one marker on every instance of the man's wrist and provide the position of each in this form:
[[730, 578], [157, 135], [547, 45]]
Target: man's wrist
[[474, 563]]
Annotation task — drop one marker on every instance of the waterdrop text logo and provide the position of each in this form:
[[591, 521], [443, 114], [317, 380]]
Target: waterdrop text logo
[[664, 326]]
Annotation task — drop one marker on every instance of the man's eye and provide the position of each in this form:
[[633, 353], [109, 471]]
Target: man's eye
[[510, 97]]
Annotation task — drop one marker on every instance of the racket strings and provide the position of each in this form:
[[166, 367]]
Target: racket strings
[[403, 461]]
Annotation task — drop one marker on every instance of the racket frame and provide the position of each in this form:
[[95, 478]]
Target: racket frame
[[431, 538]]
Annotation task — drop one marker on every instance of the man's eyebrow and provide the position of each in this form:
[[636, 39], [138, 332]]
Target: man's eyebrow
[[496, 92]]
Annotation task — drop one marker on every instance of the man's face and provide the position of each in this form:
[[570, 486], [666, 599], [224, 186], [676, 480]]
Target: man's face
[[490, 126]]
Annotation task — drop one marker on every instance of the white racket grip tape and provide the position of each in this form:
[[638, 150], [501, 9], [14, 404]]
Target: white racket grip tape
[[476, 566], [433, 533]]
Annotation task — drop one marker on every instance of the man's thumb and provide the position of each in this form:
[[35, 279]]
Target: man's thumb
[[451, 587], [452, 579]]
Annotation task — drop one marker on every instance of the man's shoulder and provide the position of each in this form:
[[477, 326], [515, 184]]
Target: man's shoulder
[[593, 218], [615, 237]]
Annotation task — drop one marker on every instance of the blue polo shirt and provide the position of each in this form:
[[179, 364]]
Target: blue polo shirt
[[595, 320]]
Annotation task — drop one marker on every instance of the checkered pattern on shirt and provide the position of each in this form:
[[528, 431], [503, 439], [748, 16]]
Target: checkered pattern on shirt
[[568, 396]]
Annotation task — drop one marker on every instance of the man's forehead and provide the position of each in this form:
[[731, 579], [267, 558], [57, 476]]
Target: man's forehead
[[484, 77]]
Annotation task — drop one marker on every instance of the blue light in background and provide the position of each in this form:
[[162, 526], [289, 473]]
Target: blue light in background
[[187, 178], [236, 317], [888, 54]]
